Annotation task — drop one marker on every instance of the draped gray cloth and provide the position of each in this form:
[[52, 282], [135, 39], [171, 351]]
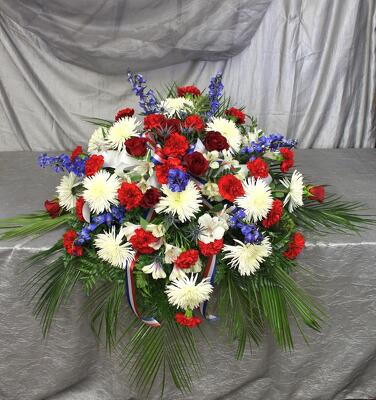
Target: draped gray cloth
[[339, 363], [304, 68]]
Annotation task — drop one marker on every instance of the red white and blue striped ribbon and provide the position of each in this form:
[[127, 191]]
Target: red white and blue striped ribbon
[[209, 273], [156, 155]]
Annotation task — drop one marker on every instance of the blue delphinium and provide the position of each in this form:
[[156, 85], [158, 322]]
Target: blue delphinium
[[269, 142], [83, 236], [177, 180], [63, 163], [147, 99], [215, 93], [251, 234], [236, 220]]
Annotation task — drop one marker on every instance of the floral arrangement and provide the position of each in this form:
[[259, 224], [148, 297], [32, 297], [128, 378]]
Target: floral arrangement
[[189, 207]]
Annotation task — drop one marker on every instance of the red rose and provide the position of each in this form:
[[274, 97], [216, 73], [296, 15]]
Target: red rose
[[93, 164], [210, 249], [129, 195], [125, 112], [258, 168], [52, 207], [193, 90], [161, 171], [230, 187], [288, 159], [79, 206], [187, 259], [136, 146], [196, 163], [317, 193], [173, 124], [176, 145], [191, 322], [194, 122], [68, 242], [274, 214], [76, 152], [215, 141], [295, 246], [150, 198], [141, 241], [236, 114], [154, 121]]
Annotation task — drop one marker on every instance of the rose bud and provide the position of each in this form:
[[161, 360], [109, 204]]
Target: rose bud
[[52, 207]]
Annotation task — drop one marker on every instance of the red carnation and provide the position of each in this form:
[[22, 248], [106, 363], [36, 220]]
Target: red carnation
[[196, 163], [125, 112], [52, 207], [258, 168], [317, 193], [176, 145], [238, 115], [129, 195], [215, 141], [210, 249], [93, 164], [288, 159], [173, 124], [274, 215], [193, 90], [141, 241], [154, 121], [230, 187], [161, 171], [68, 242], [136, 146], [79, 206], [150, 198], [187, 259], [194, 122], [76, 152], [191, 322], [295, 246]]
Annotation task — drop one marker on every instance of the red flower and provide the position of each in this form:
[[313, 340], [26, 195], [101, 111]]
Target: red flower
[[79, 206], [136, 146], [76, 152], [187, 259], [237, 114], [176, 145], [125, 112], [210, 249], [93, 164], [129, 195], [288, 159], [173, 124], [161, 171], [68, 242], [258, 168], [295, 246], [215, 141], [191, 322], [150, 198], [193, 90], [317, 193], [230, 187], [154, 121], [52, 207], [194, 122], [141, 241], [274, 215], [196, 163]]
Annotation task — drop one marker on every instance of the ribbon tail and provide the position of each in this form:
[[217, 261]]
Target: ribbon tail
[[209, 273]]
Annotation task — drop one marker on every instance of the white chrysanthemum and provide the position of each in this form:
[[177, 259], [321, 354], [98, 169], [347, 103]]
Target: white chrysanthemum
[[294, 197], [175, 105], [257, 200], [111, 248], [186, 293], [97, 142], [101, 190], [155, 269], [65, 191], [227, 129], [211, 228], [183, 204], [122, 130], [247, 257]]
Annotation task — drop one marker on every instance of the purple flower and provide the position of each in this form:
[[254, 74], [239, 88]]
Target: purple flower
[[177, 180]]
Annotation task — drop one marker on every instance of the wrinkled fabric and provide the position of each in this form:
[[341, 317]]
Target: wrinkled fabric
[[339, 363], [303, 68]]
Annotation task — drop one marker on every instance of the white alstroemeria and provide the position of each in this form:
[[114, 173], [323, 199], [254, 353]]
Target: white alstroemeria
[[213, 159], [211, 228], [294, 198], [155, 269], [120, 160], [97, 142], [129, 229], [227, 129], [171, 253], [175, 105], [228, 161], [243, 172], [158, 230], [66, 191], [177, 273], [122, 130], [211, 191], [197, 267], [251, 136], [144, 168]]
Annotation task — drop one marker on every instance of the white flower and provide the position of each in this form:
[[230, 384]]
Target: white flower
[[65, 191], [101, 191], [183, 204], [211, 190], [197, 267], [186, 293], [294, 197], [111, 248], [122, 130], [97, 141], [155, 269], [176, 105], [211, 228], [257, 199], [227, 129], [177, 273], [247, 257], [171, 253]]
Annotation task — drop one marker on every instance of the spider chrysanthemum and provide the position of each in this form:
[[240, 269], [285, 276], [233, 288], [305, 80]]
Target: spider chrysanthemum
[[227, 129], [65, 191], [122, 130], [295, 186]]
